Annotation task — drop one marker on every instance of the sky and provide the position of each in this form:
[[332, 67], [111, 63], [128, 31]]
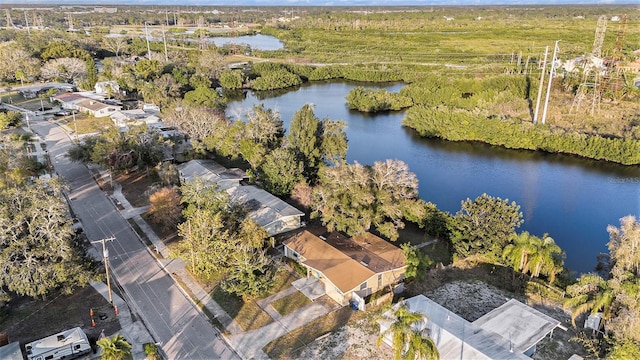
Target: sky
[[321, 2]]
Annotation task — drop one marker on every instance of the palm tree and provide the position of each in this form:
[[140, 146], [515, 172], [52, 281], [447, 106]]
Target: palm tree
[[517, 252], [408, 342], [590, 293], [547, 259], [114, 348]]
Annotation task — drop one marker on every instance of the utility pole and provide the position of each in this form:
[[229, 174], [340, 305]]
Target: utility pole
[[105, 254], [75, 125], [146, 32], [544, 68], [164, 41], [551, 73], [26, 20]]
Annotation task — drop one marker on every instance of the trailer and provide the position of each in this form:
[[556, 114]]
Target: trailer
[[68, 344]]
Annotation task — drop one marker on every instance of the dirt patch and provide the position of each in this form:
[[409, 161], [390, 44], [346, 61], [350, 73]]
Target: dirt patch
[[136, 187], [28, 319], [354, 341]]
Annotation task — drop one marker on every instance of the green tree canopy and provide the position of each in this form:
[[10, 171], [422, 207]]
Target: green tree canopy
[[114, 348], [352, 198], [37, 250], [484, 225], [316, 142], [219, 241]]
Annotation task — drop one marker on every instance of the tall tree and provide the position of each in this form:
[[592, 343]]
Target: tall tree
[[218, 241], [408, 342], [165, 209], [37, 250], [315, 142], [280, 172], [484, 225], [204, 126], [353, 198], [305, 138]]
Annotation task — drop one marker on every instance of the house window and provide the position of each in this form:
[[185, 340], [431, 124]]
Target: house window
[[379, 281], [363, 285]]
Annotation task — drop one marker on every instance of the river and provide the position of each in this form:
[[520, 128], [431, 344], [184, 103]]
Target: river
[[570, 198]]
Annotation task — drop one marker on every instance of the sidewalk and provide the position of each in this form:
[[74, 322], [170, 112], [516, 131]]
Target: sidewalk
[[134, 331], [247, 344], [175, 267]]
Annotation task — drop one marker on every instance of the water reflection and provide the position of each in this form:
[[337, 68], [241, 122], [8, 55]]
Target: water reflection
[[571, 198]]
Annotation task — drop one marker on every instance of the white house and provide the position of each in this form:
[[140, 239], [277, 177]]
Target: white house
[[96, 108], [211, 171], [510, 331], [107, 88], [267, 210], [126, 118]]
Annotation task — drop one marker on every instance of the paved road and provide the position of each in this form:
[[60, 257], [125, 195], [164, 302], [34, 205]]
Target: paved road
[[172, 319]]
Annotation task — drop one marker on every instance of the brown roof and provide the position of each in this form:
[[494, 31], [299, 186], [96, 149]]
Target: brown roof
[[347, 262], [92, 105], [68, 97]]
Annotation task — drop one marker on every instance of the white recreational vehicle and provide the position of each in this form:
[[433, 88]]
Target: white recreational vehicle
[[67, 344]]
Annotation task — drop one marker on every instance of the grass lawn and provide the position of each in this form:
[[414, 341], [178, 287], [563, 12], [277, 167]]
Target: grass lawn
[[87, 124], [247, 314], [291, 303]]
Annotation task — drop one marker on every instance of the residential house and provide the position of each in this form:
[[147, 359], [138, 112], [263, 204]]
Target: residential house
[[510, 331], [267, 210], [107, 88], [210, 171], [96, 108], [125, 118], [350, 268], [68, 100]]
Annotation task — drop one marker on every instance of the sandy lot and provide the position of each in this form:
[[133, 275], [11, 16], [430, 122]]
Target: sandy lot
[[470, 300]]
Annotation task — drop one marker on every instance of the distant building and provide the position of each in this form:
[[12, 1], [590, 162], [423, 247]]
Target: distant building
[[96, 108], [107, 88], [125, 118]]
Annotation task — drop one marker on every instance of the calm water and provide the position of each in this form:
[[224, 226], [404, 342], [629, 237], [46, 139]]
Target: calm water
[[256, 42], [571, 199]]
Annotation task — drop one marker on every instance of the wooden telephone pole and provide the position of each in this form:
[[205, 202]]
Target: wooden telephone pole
[[105, 254]]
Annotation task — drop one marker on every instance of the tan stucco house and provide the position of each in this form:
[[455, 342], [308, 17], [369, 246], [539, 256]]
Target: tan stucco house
[[350, 268]]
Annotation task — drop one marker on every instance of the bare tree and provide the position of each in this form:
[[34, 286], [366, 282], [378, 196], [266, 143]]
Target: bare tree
[[115, 44], [67, 69]]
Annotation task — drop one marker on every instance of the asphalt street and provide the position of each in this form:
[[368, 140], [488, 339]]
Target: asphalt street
[[171, 317]]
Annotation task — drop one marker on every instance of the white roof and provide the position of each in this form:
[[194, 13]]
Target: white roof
[[64, 338], [523, 325], [459, 339], [210, 171], [264, 208]]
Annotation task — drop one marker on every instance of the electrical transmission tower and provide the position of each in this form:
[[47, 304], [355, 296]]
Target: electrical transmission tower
[[601, 29], [622, 29], [590, 84]]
